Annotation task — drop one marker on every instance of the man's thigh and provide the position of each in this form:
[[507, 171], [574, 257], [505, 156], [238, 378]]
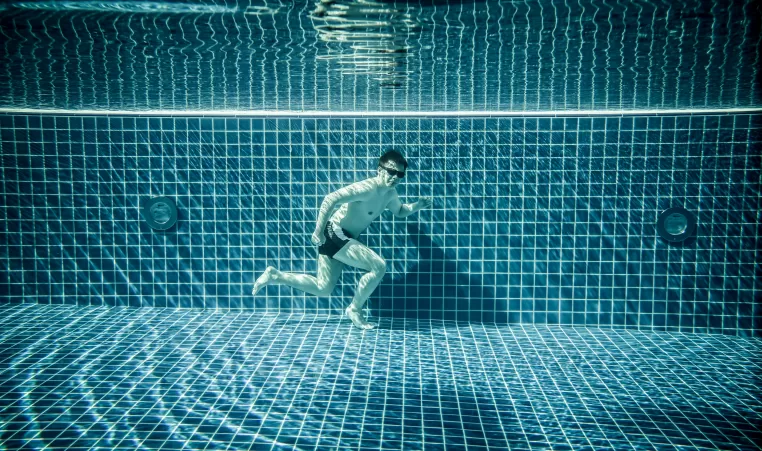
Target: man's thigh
[[329, 269], [358, 255]]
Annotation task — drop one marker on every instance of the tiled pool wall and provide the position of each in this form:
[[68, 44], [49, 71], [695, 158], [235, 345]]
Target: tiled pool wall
[[535, 220]]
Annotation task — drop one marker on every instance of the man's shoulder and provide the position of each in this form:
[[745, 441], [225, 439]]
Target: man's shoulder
[[370, 181], [359, 191], [370, 185], [361, 186]]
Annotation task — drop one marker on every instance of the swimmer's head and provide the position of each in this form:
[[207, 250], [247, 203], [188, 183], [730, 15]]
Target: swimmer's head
[[391, 168], [393, 155]]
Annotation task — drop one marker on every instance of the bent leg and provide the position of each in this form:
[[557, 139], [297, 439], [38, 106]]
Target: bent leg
[[360, 256], [329, 271]]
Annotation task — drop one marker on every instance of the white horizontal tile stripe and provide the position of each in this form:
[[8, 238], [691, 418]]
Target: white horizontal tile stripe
[[296, 113]]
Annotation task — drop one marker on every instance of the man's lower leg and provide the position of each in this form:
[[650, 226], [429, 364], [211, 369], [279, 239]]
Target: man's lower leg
[[304, 282], [365, 287]]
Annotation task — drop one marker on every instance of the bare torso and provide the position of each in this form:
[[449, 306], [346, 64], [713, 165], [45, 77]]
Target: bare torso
[[355, 217]]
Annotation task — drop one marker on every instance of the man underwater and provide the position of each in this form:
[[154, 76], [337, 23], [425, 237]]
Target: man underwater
[[336, 232]]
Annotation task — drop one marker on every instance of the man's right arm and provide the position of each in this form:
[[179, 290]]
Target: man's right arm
[[352, 193], [326, 208]]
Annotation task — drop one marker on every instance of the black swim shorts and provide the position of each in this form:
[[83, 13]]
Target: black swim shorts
[[333, 242]]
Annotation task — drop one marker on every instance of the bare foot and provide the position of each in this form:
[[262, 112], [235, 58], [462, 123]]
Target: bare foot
[[357, 319], [264, 279]]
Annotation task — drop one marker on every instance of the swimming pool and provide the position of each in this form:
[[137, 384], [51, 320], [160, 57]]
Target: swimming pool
[[534, 306]]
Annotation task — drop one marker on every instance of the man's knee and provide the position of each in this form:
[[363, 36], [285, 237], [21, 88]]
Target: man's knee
[[378, 267], [325, 289]]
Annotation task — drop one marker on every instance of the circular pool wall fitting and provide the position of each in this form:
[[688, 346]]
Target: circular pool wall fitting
[[676, 224], [160, 212]]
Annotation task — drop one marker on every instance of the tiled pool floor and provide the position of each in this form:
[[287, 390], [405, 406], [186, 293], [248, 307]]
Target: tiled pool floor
[[120, 378]]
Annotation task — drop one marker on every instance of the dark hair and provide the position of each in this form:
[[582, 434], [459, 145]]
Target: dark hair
[[393, 155]]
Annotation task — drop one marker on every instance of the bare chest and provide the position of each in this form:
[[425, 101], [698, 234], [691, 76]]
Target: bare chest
[[367, 209], [356, 216]]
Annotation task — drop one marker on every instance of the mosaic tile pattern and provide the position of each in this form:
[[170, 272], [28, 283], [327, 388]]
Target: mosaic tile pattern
[[534, 220], [118, 378], [399, 56]]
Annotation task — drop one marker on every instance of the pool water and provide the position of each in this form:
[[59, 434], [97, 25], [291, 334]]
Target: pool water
[[534, 306]]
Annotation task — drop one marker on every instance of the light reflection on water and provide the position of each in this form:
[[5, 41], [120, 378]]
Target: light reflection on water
[[370, 38], [125, 7], [151, 378], [374, 55]]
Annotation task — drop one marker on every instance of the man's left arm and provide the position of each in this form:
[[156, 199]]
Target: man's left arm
[[401, 210]]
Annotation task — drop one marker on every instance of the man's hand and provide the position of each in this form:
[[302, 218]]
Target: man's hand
[[424, 202], [318, 238]]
